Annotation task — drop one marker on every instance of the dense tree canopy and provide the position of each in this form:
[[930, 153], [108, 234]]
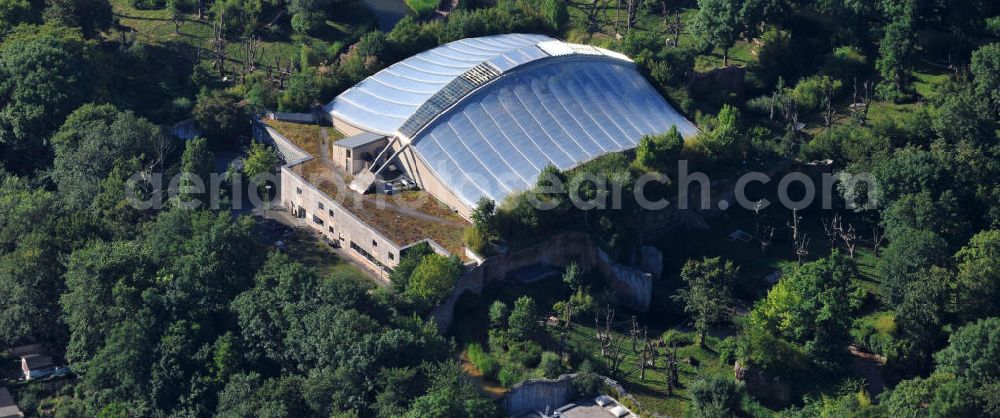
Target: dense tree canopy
[[41, 81], [93, 140], [811, 307]]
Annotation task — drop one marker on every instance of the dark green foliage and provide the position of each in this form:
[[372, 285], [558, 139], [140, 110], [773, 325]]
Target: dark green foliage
[[259, 161], [896, 52], [92, 141], [222, 118], [658, 152], [197, 164], [940, 395], [523, 320], [14, 12], [91, 16], [400, 276], [29, 264], [498, 314], [301, 94], [986, 69], [309, 16], [720, 23], [810, 310], [978, 279], [908, 254], [709, 292], [963, 116], [555, 12], [451, 394], [550, 365], [721, 139], [973, 352], [845, 63], [433, 279], [148, 4], [714, 397], [921, 314], [40, 83], [238, 17]]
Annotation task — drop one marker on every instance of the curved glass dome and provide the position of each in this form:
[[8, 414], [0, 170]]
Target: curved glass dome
[[382, 102], [488, 114], [563, 111]]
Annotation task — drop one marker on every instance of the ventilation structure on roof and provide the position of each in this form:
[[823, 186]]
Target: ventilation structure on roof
[[449, 95]]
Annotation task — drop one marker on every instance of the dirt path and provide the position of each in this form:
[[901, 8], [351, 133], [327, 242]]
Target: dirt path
[[868, 366], [491, 390]]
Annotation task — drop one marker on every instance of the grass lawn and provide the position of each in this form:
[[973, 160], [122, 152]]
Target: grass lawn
[[423, 7], [651, 392], [155, 27], [471, 315]]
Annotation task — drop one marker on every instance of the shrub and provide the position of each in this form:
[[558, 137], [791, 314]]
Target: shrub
[[716, 396], [727, 350], [483, 361], [148, 4], [678, 338], [526, 353], [845, 63], [550, 365], [587, 382], [433, 279], [498, 340], [510, 374], [422, 7], [760, 105], [476, 239]]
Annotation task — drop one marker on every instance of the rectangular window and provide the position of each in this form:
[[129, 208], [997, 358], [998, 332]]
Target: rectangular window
[[331, 229], [317, 220], [392, 256], [374, 244], [348, 153], [331, 213], [321, 205], [298, 190]]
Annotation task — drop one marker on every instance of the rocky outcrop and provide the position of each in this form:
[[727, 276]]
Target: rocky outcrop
[[651, 261], [632, 285]]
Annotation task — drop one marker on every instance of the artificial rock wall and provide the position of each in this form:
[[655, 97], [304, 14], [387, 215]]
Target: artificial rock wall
[[634, 287]]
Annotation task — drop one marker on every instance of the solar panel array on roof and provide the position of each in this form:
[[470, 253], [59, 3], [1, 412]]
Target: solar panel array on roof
[[564, 111], [383, 102]]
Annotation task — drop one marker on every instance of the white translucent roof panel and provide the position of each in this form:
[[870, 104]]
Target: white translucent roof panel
[[564, 111], [384, 101]]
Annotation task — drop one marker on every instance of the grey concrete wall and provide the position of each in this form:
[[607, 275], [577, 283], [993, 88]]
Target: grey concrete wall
[[290, 153], [297, 193], [309, 118], [539, 395]]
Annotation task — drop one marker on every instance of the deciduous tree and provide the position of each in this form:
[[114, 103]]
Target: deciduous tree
[[708, 297]]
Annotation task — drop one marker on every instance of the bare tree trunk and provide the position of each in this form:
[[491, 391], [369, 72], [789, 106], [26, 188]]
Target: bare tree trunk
[[877, 236]]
